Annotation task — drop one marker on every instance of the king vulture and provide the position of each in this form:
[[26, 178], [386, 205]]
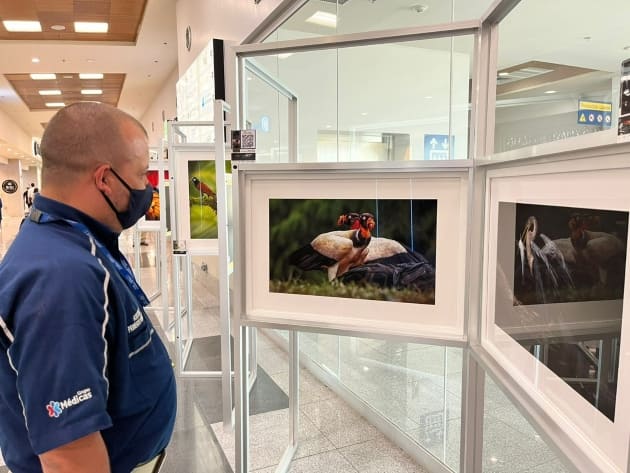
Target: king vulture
[[336, 251]]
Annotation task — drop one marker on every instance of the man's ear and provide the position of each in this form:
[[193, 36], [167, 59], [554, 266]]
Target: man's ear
[[102, 178]]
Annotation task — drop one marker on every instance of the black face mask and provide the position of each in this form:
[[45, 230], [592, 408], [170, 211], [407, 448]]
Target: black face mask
[[139, 203]]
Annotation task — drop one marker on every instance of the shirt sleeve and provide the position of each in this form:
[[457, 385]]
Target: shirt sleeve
[[60, 355]]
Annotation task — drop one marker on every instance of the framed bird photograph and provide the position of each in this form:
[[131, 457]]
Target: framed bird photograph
[[378, 250], [555, 283], [202, 199], [370, 249], [568, 254]]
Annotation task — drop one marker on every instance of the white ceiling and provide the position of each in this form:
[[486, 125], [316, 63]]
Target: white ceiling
[[147, 64]]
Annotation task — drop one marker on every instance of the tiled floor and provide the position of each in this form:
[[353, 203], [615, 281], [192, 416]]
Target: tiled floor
[[417, 387]]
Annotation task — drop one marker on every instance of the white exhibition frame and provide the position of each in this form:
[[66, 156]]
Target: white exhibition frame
[[598, 182], [179, 163], [259, 183]]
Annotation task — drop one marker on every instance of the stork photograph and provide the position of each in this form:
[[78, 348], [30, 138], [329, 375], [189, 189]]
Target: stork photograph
[[203, 199], [567, 254], [363, 249]]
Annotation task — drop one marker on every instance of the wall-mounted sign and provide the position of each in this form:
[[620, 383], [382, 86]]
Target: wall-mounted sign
[[437, 146], [594, 113], [9, 186]]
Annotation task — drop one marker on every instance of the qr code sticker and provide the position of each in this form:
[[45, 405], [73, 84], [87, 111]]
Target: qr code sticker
[[248, 139]]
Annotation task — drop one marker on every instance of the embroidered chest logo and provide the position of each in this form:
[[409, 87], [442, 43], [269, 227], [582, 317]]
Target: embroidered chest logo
[[137, 321], [56, 408]]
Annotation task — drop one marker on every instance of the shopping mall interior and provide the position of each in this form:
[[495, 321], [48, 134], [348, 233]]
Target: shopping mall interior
[[488, 138]]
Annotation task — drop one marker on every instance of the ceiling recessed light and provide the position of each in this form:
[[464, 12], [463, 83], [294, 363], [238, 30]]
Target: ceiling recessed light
[[58, 27], [43, 76], [503, 74], [92, 92], [90, 27], [550, 91], [50, 92], [284, 55], [90, 76], [364, 113], [420, 8], [323, 19], [35, 60], [22, 26], [55, 104]]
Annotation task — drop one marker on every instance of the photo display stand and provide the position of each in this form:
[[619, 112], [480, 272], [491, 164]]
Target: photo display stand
[[199, 217], [412, 265], [157, 222], [374, 249], [555, 276]]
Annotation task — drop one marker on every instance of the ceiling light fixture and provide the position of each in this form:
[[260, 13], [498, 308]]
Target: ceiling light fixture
[[323, 19], [43, 76], [17, 26], [92, 92], [420, 8], [55, 104], [284, 55], [50, 92], [88, 75], [90, 27], [35, 60], [504, 74], [58, 27], [550, 91]]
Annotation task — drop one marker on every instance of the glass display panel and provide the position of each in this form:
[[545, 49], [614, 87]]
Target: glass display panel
[[415, 105], [510, 443], [416, 387], [560, 288], [266, 112], [559, 82], [327, 17]]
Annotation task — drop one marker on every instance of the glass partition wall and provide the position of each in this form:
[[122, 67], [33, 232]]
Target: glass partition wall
[[376, 102], [408, 94]]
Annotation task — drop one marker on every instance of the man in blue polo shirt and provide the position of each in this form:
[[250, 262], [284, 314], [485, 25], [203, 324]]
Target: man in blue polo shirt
[[86, 385]]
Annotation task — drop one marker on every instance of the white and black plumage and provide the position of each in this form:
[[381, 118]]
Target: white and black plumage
[[383, 250], [389, 263], [336, 251], [543, 266], [600, 252]]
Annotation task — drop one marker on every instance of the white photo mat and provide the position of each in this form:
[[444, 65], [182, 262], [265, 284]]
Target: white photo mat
[[179, 181], [443, 320], [598, 183]]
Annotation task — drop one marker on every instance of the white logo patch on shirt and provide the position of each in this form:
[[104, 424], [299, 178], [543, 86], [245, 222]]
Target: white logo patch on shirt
[[137, 321]]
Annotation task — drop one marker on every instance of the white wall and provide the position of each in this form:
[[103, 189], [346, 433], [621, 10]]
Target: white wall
[[229, 20], [163, 104], [13, 134]]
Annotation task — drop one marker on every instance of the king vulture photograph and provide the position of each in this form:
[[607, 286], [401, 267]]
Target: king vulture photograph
[[568, 254], [369, 249]]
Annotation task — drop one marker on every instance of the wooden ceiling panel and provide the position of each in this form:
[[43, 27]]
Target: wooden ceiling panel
[[124, 18], [70, 86], [54, 5]]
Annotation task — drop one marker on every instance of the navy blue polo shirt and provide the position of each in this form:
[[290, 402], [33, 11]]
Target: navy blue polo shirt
[[78, 354]]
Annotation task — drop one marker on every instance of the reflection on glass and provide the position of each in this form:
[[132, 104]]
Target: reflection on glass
[[266, 113], [560, 288], [388, 102], [510, 443], [416, 387], [559, 83], [327, 17]]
